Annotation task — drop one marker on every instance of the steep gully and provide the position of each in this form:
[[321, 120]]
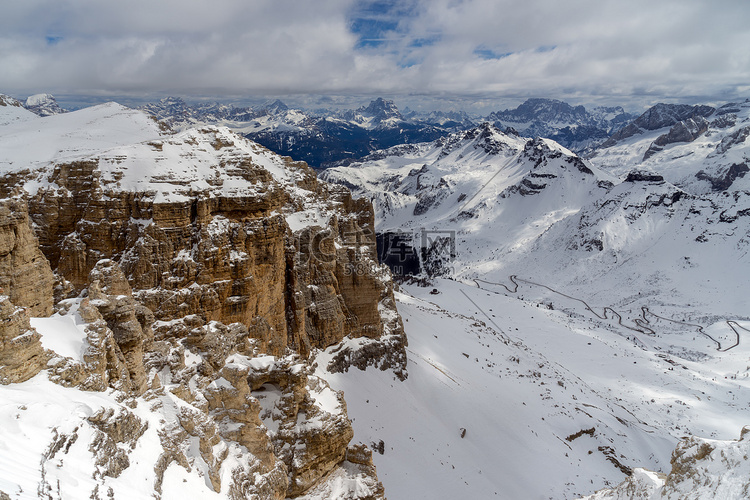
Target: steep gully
[[642, 323]]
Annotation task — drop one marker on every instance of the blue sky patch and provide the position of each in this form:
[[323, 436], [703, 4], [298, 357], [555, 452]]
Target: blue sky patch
[[53, 39], [376, 22], [485, 53]]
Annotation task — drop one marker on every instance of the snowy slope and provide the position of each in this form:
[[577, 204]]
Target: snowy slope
[[640, 284], [72, 136], [137, 154], [12, 111], [554, 405], [697, 154], [702, 469], [497, 192], [533, 209]]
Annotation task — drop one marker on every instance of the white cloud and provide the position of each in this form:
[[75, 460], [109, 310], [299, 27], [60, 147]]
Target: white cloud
[[542, 47]]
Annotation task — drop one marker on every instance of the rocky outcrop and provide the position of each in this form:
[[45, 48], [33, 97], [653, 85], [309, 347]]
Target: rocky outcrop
[[21, 352], [724, 178], [43, 105], [701, 469], [129, 321], [659, 116], [25, 274], [643, 176], [307, 420], [26, 283], [683, 131], [218, 251], [737, 137], [115, 432]]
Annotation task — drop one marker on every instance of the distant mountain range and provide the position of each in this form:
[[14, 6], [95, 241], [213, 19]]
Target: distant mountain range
[[328, 138], [573, 127], [675, 174]]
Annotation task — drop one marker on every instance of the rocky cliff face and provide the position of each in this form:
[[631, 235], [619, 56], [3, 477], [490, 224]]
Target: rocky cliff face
[[25, 275], [701, 468], [202, 273], [26, 290]]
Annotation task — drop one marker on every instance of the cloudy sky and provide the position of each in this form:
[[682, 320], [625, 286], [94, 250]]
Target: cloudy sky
[[578, 50]]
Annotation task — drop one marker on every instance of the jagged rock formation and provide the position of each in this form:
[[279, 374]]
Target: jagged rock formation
[[683, 131], [25, 290], [21, 353], [221, 248], [129, 321], [25, 275], [43, 105], [574, 127], [659, 116], [198, 274], [701, 469], [427, 195]]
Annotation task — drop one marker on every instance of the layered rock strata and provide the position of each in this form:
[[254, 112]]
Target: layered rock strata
[[201, 273]]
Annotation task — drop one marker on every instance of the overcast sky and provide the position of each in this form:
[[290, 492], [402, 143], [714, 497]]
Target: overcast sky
[[453, 50]]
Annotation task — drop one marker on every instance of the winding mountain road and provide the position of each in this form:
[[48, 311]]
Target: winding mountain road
[[641, 324]]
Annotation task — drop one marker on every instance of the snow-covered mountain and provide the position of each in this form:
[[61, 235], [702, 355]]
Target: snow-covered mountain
[[698, 148], [583, 315], [43, 105], [326, 138], [13, 111], [514, 201], [180, 115], [657, 117], [379, 113], [496, 192], [35, 105], [641, 263], [574, 127], [162, 295], [317, 138]]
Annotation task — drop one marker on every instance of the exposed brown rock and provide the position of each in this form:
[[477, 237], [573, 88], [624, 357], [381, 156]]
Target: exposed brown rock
[[114, 428], [231, 259], [25, 274], [307, 420], [21, 352], [202, 305], [103, 365], [129, 321]]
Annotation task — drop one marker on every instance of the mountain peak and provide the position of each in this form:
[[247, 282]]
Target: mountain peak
[[43, 105], [276, 107], [665, 115], [545, 110], [172, 101], [382, 109]]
